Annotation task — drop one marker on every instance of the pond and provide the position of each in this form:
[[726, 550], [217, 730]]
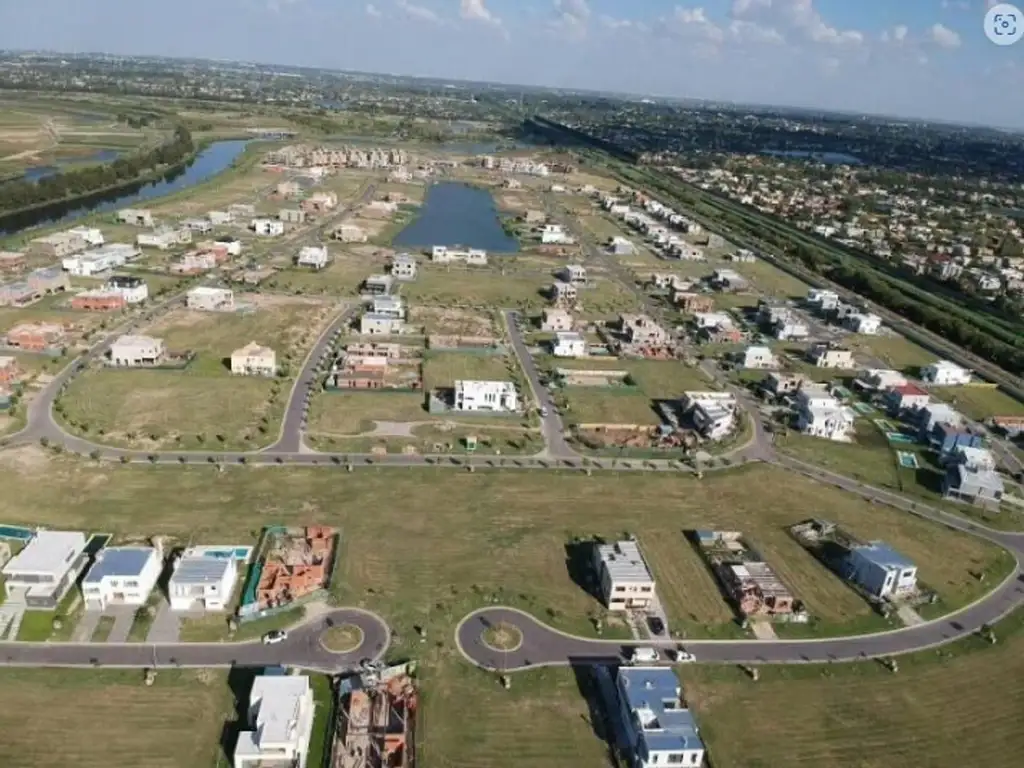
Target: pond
[[455, 214], [42, 171], [212, 160]]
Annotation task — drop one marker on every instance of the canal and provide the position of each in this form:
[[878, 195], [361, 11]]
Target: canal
[[456, 214], [214, 159]]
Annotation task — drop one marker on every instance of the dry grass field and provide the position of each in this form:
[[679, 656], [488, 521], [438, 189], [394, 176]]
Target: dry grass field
[[895, 351], [586, 405], [771, 281], [176, 723], [443, 369], [480, 287], [456, 322], [342, 277], [348, 413]]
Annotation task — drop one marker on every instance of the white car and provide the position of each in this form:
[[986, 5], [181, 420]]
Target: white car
[[275, 636], [643, 655], [683, 657]]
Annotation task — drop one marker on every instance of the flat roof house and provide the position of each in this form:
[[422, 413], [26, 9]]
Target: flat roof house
[[378, 285], [313, 256], [712, 413], [486, 396], [210, 299], [372, 324], [759, 357], [660, 730], [555, 320], [132, 351], [281, 718], [626, 581], [943, 373], [973, 484], [132, 289], [569, 344], [880, 570], [164, 238], [202, 581], [137, 217], [254, 360], [828, 356], [121, 576], [403, 267], [42, 573]]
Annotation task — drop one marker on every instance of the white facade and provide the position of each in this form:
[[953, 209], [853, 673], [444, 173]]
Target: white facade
[[93, 237], [569, 344], [824, 356], [442, 254], [759, 357], [821, 415], [556, 320], [863, 322], [203, 581], [403, 267], [626, 581], [45, 567], [254, 360], [281, 716], [788, 328], [712, 413], [712, 320], [620, 246], [388, 306], [267, 227], [660, 730], [486, 396], [233, 247], [132, 289], [943, 373], [313, 256], [130, 351], [210, 299], [100, 260], [880, 378], [555, 234], [164, 239], [121, 576]]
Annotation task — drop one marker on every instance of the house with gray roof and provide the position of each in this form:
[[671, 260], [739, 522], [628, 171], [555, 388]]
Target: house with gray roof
[[656, 722], [973, 484], [202, 581], [626, 581], [879, 570], [121, 576]]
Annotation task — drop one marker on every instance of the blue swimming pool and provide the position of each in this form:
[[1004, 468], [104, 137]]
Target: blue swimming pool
[[16, 532], [899, 437]]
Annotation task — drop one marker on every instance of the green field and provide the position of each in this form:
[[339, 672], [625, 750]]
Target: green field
[[980, 402], [443, 369]]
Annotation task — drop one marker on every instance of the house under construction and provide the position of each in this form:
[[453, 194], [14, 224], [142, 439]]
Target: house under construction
[[377, 721]]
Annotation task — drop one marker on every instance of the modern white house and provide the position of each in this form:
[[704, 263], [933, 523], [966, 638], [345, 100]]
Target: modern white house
[[201, 581], [442, 254], [132, 351], [943, 373], [93, 236], [210, 299], [880, 570], [626, 581], [819, 414], [99, 260], [829, 356], [759, 358], [373, 324], [661, 731], [712, 413], [267, 227], [863, 322], [42, 573], [313, 256], [164, 238], [823, 300], [403, 267], [553, 319], [389, 306], [121, 576], [130, 288], [555, 234], [879, 379], [498, 396], [254, 360], [281, 718], [569, 344]]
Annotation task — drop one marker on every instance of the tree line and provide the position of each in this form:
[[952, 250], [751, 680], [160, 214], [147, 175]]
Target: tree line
[[20, 194]]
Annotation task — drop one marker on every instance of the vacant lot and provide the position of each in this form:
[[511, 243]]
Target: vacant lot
[[443, 369], [348, 413], [586, 405], [454, 322], [476, 287], [980, 402], [862, 716], [342, 277], [894, 351], [176, 723], [770, 280]]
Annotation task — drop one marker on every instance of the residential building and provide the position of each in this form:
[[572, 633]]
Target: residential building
[[946, 439], [781, 384], [875, 379], [291, 215], [371, 324], [563, 293], [100, 260], [727, 280], [42, 573], [378, 285], [11, 261], [198, 226], [712, 320], [219, 218], [975, 458], [137, 217], [232, 246], [555, 234], [349, 233], [98, 300], [372, 349], [47, 280], [320, 202], [755, 589], [403, 267], [471, 396], [35, 337], [829, 356], [134, 351], [132, 289], [712, 413], [822, 300], [658, 727], [879, 570], [555, 320], [164, 238], [569, 344], [254, 360], [759, 358], [210, 299], [574, 273], [906, 397], [937, 413], [315, 257], [121, 576], [641, 330], [943, 373], [390, 306], [863, 322], [975, 484], [58, 245], [625, 580], [281, 717], [267, 227], [620, 246], [819, 414], [788, 327], [442, 254], [92, 235], [692, 303], [199, 580]]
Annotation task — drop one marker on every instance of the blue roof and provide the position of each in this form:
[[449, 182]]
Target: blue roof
[[655, 689], [883, 555], [118, 562]]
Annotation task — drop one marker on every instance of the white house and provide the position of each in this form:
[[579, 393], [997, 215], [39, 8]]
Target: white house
[[713, 320], [99, 260], [555, 234], [863, 322], [203, 581], [620, 246], [879, 379], [93, 237], [313, 256], [828, 356], [569, 344], [556, 320], [712, 413], [121, 576], [759, 357], [210, 299], [42, 573], [254, 360], [822, 300], [388, 306], [164, 238], [880, 570], [626, 581], [442, 254], [131, 351], [281, 718], [130, 288], [403, 267], [788, 327], [660, 730], [486, 396], [267, 227], [821, 415], [574, 273], [231, 245], [372, 324], [943, 373]]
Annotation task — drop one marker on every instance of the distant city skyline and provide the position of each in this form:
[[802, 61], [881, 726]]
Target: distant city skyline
[[926, 59]]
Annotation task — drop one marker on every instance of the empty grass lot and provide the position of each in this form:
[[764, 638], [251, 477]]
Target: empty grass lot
[[341, 278], [895, 351], [176, 723], [480, 287], [597, 405], [770, 280], [443, 369], [957, 706], [980, 402], [349, 413]]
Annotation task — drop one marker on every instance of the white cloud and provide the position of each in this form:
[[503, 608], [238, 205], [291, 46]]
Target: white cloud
[[798, 15], [373, 11], [475, 10], [943, 36], [741, 7], [897, 35], [573, 11], [751, 32], [418, 12], [610, 22], [694, 23]]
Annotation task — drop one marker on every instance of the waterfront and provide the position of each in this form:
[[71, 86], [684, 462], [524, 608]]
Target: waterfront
[[456, 214]]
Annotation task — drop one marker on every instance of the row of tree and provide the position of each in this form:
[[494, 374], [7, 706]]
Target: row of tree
[[21, 194]]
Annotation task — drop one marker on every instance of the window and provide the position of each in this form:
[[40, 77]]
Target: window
[[131, 583], [677, 758], [619, 589], [645, 589]]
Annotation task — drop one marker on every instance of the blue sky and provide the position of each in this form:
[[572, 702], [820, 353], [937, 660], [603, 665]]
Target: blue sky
[[921, 58]]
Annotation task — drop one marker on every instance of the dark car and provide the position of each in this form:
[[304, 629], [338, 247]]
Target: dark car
[[656, 624]]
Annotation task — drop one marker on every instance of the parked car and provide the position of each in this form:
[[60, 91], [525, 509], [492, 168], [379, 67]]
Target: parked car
[[275, 636], [682, 656], [656, 624], [640, 655]]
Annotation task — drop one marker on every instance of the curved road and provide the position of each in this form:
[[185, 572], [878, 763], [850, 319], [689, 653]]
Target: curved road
[[302, 648]]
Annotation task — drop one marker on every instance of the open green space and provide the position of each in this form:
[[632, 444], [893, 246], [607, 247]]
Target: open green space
[[443, 369], [980, 402], [896, 352], [480, 287]]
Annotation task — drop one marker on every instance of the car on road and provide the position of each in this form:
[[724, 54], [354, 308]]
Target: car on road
[[641, 655], [656, 625], [544, 410], [275, 636], [682, 656]]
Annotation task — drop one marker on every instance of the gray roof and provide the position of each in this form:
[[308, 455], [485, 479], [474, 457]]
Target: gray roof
[[969, 479], [121, 562], [201, 570], [883, 555], [656, 690], [624, 562]]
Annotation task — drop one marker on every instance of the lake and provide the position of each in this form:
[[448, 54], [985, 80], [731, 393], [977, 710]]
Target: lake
[[42, 171], [214, 159], [455, 214], [829, 158]]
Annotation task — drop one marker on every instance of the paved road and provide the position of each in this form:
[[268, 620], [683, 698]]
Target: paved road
[[302, 649]]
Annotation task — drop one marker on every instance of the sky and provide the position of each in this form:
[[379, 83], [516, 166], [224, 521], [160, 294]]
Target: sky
[[915, 58]]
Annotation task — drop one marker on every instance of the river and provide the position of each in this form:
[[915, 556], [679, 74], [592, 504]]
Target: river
[[214, 159]]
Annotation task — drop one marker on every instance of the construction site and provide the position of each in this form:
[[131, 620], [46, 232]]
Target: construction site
[[296, 563], [376, 725]]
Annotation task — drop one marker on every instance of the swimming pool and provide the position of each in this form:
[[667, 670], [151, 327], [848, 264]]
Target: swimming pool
[[899, 437], [908, 460], [16, 532]]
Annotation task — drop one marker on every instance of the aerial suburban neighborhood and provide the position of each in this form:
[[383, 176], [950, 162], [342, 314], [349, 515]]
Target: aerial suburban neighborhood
[[365, 421]]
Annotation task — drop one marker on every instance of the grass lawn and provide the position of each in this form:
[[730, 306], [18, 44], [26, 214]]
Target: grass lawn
[[895, 351], [770, 280], [347, 413], [479, 287], [176, 723], [594, 405], [980, 402], [213, 627], [443, 369], [861, 715], [869, 458], [341, 278]]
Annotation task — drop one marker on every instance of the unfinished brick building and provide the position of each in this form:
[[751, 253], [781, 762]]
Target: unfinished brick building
[[296, 565]]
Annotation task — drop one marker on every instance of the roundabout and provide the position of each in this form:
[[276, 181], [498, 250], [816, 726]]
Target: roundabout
[[341, 638], [503, 637]]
